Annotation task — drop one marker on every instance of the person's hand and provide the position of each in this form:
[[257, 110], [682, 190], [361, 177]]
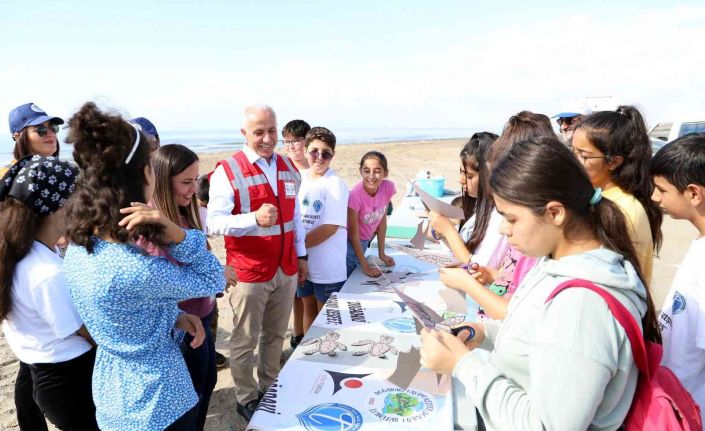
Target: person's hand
[[455, 278], [441, 350], [139, 214], [230, 276], [485, 275], [192, 324], [303, 270], [476, 340], [266, 215], [386, 259], [370, 271], [440, 223]]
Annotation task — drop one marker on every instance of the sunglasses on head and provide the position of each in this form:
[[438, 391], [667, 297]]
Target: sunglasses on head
[[325, 155], [43, 130]]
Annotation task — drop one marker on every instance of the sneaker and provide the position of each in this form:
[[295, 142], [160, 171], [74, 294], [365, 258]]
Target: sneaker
[[220, 360], [247, 410], [295, 340]]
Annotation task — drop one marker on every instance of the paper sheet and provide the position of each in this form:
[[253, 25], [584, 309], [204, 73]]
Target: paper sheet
[[437, 205]]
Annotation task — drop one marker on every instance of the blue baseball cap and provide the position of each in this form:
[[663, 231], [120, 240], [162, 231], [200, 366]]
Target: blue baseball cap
[[146, 126], [29, 114], [566, 115]]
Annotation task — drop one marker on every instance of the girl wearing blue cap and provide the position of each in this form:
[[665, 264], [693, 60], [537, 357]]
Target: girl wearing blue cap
[[34, 132], [38, 318]]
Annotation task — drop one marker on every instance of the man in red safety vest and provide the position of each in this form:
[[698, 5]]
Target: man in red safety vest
[[253, 204]]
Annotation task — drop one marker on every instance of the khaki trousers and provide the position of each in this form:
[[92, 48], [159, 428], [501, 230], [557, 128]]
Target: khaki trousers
[[260, 313]]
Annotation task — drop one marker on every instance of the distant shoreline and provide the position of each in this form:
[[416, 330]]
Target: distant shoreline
[[6, 157]]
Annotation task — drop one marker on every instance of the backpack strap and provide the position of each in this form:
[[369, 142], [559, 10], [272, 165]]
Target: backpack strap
[[620, 313]]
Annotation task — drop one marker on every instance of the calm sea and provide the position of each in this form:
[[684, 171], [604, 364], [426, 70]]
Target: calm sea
[[212, 141]]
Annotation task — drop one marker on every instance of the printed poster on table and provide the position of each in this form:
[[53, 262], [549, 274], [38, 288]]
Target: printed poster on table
[[331, 397]]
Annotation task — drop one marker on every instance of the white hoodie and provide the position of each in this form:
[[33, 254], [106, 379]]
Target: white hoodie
[[566, 365]]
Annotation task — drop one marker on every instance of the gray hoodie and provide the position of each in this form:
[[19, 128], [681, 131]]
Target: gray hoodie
[[565, 365]]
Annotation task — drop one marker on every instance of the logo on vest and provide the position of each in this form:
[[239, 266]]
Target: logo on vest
[[317, 205], [330, 417], [305, 201]]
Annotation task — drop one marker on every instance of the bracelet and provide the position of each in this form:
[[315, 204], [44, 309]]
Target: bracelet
[[304, 257], [435, 235]]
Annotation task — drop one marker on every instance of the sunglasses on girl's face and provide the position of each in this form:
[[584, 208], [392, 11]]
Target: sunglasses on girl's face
[[43, 130], [325, 155]]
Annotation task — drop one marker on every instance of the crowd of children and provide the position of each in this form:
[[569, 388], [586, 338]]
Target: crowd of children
[[120, 335]]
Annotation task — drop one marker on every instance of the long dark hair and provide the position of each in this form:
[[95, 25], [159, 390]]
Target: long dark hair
[[17, 231], [540, 170], [169, 161], [22, 145], [473, 156], [102, 142], [519, 127], [623, 133]]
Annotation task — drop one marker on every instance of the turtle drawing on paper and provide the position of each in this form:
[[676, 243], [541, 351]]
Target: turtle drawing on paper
[[378, 349], [390, 277], [326, 345]]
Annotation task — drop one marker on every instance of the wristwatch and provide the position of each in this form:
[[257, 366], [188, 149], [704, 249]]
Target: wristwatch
[[304, 257]]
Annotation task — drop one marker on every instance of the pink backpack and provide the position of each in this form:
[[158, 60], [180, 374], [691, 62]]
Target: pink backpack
[[660, 402]]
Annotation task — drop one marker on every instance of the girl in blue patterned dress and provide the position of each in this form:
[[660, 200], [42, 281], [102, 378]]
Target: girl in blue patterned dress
[[128, 299]]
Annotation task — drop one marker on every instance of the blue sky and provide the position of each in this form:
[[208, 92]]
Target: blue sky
[[195, 65]]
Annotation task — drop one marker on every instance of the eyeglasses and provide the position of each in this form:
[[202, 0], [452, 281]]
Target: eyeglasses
[[292, 142], [43, 130], [325, 155], [566, 120], [582, 157]]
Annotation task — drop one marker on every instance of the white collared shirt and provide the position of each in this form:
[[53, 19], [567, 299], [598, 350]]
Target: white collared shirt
[[221, 202]]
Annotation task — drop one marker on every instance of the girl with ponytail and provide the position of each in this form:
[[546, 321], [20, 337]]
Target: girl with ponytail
[[614, 148], [128, 299], [565, 364]]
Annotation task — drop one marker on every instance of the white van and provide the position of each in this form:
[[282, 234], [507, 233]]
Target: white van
[[671, 130]]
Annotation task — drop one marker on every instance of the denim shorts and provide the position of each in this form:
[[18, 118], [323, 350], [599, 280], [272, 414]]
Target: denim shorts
[[351, 258], [322, 291]]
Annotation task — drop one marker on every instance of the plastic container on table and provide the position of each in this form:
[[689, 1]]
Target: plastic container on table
[[433, 186]]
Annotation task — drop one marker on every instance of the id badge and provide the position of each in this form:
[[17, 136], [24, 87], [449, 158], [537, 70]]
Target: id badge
[[290, 189]]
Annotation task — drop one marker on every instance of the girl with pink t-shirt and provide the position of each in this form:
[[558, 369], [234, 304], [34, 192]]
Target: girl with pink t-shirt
[[367, 212]]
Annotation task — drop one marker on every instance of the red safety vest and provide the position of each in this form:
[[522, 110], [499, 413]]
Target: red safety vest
[[257, 255]]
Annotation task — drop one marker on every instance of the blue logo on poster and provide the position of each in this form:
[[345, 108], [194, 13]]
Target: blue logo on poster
[[330, 417], [317, 205], [401, 324], [678, 303]]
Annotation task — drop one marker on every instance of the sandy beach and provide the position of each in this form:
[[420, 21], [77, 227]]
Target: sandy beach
[[440, 157]]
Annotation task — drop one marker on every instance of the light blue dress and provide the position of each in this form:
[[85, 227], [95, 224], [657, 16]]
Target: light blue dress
[[128, 301]]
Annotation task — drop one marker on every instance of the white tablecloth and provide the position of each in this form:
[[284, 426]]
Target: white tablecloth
[[331, 384]]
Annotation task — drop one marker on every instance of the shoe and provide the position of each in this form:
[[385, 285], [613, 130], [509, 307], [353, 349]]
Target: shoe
[[247, 410], [295, 340], [220, 360]]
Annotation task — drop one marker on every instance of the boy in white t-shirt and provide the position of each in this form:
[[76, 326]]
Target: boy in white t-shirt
[[323, 199], [679, 175]]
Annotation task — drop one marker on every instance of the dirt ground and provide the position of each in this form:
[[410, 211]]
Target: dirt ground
[[405, 159]]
